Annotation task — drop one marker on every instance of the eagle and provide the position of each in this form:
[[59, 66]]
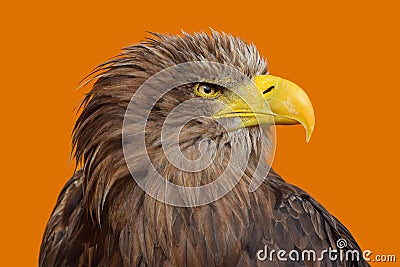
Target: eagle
[[116, 211]]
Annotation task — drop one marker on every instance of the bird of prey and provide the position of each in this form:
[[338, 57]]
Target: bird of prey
[[105, 217]]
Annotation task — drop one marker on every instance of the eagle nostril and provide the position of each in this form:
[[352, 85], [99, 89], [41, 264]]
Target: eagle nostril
[[269, 89]]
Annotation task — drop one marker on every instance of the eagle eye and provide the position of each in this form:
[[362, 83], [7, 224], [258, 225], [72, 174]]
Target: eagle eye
[[206, 90]]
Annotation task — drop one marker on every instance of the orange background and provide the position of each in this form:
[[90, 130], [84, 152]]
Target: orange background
[[345, 55]]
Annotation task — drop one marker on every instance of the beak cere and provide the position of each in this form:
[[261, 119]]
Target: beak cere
[[288, 102]]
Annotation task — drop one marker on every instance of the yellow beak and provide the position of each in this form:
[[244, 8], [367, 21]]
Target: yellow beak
[[287, 101], [275, 101]]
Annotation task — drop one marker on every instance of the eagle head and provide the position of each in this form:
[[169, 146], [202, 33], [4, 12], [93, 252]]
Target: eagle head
[[183, 110]]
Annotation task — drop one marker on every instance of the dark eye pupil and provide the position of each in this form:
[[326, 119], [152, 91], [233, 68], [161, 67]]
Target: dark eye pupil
[[207, 89]]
